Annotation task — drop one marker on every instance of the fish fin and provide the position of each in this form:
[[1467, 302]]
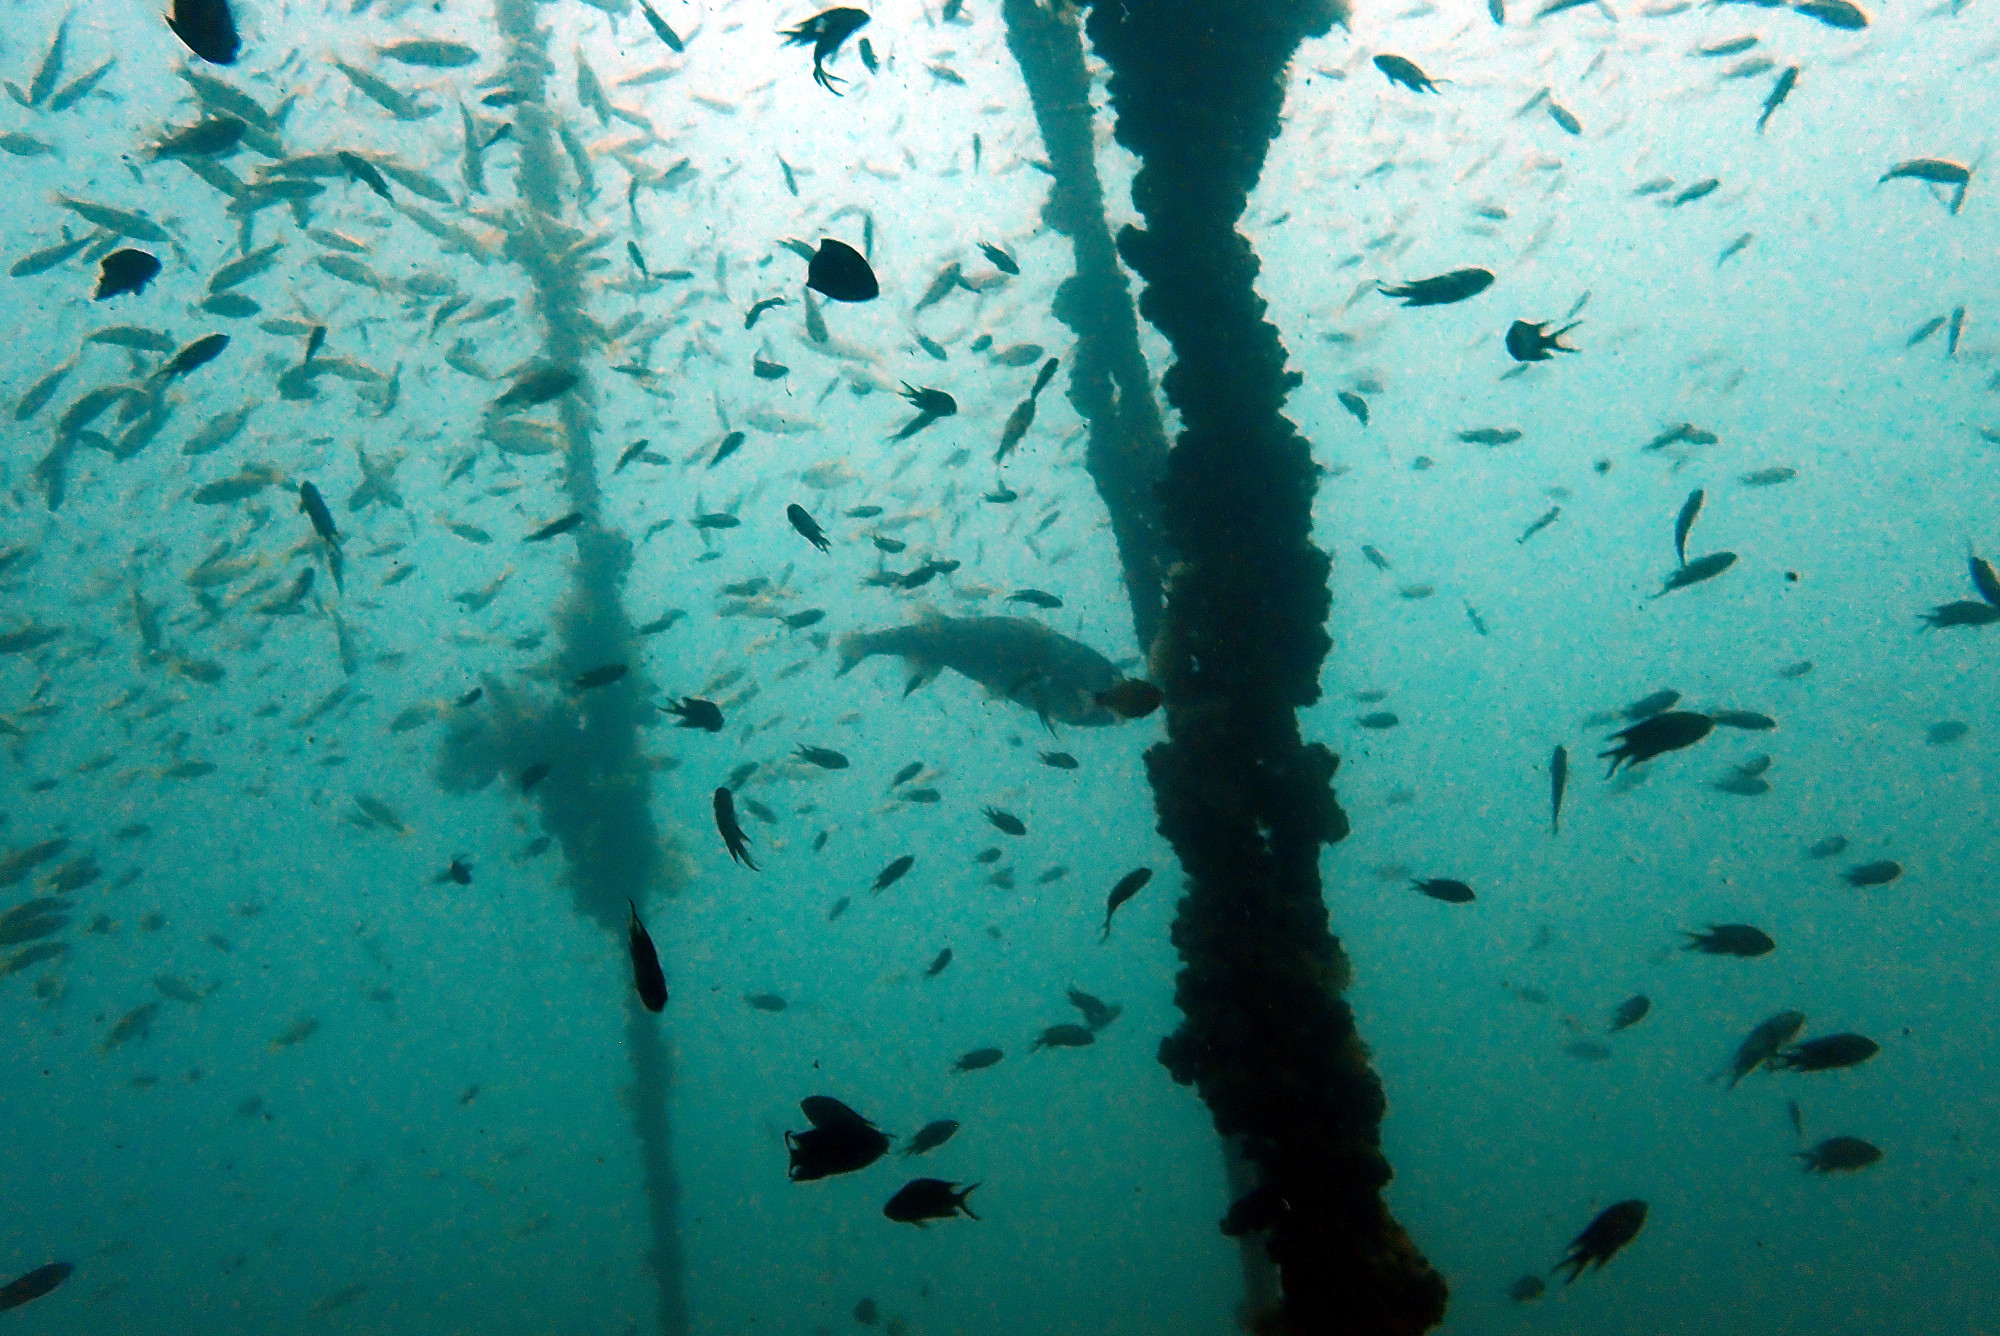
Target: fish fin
[[853, 648]]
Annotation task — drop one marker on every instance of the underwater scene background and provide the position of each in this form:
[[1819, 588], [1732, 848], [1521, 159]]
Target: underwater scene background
[[318, 830]]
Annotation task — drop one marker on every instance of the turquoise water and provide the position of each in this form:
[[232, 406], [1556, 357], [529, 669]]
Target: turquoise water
[[397, 1103]]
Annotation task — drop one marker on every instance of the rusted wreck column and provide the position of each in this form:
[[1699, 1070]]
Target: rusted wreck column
[[1197, 86], [1109, 384]]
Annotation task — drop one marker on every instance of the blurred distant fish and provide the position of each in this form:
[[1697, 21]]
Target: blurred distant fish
[[1779, 92], [1549, 517], [1629, 1012], [1924, 331], [1698, 570], [1937, 171], [1838, 1153], [1761, 1045], [664, 33], [429, 53], [1699, 190], [1834, 13], [32, 1286], [1685, 522]]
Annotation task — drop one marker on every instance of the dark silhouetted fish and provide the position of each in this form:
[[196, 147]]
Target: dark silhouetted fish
[[839, 273], [1698, 570], [1558, 781], [207, 28], [1439, 888], [825, 31], [840, 1141], [923, 1199], [555, 528], [977, 1060], [1527, 343], [1839, 1153], [600, 677], [1730, 939], [1827, 1053], [999, 259], [1400, 70], [197, 354], [893, 873], [1442, 290], [40, 1281], [1879, 873], [539, 387], [1652, 737], [930, 1136], [1629, 1012], [696, 713], [1779, 92], [807, 526], [646, 974], [1601, 1239], [125, 271], [733, 837], [1762, 1044], [1964, 612], [1006, 822], [1748, 720], [1128, 886]]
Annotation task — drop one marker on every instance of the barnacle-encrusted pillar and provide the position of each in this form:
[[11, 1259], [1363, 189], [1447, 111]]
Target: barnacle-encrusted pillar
[[1197, 86], [595, 800], [1109, 384]]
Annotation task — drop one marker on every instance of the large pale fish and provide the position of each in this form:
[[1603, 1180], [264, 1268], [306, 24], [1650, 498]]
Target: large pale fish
[[1011, 657]]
